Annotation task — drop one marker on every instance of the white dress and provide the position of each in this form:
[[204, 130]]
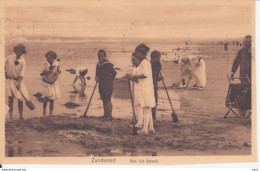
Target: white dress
[[199, 74], [144, 88], [15, 71], [50, 91]]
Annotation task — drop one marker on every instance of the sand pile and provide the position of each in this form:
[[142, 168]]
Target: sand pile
[[97, 136]]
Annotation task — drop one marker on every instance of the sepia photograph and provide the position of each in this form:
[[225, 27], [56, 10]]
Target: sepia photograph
[[129, 78]]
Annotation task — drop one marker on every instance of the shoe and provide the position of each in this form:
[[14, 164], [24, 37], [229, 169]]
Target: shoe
[[143, 132], [181, 86], [151, 131], [108, 118], [139, 126]]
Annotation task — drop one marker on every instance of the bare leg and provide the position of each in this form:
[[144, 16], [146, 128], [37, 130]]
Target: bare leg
[[51, 107], [105, 109], [10, 104], [146, 121], [109, 109], [140, 116], [45, 101], [20, 108]]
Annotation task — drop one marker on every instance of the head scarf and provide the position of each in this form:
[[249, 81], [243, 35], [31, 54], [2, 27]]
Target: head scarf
[[51, 53], [21, 47]]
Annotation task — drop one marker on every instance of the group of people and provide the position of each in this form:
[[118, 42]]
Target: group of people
[[145, 77]]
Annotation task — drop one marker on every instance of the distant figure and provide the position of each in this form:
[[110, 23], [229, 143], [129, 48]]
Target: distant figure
[[185, 67], [142, 76], [225, 46], [156, 69], [199, 74], [14, 73], [50, 88], [105, 75], [237, 43]]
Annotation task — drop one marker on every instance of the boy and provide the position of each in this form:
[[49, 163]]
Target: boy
[[105, 75], [156, 69], [14, 73]]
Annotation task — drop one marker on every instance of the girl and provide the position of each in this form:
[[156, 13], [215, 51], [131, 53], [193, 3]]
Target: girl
[[142, 76], [51, 91], [156, 69]]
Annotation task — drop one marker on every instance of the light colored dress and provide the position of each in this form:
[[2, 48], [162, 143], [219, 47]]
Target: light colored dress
[[144, 88], [15, 71], [199, 75], [50, 91]]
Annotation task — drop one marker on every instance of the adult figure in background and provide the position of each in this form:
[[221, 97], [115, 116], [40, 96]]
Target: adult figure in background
[[14, 73], [243, 59], [142, 75], [156, 69], [105, 75]]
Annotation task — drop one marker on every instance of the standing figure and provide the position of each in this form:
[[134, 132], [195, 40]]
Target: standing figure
[[14, 73], [50, 88], [80, 72], [142, 76], [225, 46], [156, 69], [105, 75], [199, 74], [243, 59]]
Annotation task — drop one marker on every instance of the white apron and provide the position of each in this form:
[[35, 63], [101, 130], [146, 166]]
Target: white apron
[[144, 89]]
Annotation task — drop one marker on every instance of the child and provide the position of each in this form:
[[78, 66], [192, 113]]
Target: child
[[156, 69], [80, 72], [142, 76], [51, 91], [105, 75], [14, 73]]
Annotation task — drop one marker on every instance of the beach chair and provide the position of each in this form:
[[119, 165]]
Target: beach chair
[[238, 98]]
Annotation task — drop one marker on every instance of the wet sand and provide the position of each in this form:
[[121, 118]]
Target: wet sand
[[201, 129]]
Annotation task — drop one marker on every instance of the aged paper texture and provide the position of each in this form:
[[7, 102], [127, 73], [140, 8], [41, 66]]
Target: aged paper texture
[[127, 82]]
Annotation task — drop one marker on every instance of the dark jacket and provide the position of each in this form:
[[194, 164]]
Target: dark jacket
[[156, 68], [243, 59], [106, 74]]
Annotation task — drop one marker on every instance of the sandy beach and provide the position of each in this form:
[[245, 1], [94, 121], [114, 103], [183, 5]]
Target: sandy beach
[[201, 129]]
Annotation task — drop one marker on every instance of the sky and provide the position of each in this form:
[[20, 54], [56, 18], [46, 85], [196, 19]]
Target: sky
[[133, 19]]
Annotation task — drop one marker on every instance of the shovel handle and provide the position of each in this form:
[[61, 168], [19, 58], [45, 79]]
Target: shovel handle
[[167, 92], [132, 102], [85, 113]]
